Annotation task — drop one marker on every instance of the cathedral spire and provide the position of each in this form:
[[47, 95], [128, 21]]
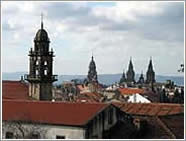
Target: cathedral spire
[[141, 78], [130, 72], [150, 73], [123, 79], [41, 20]]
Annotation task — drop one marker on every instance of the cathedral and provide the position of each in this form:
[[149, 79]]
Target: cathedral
[[40, 75], [130, 75]]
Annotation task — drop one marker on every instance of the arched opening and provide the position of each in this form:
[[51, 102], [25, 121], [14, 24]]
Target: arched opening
[[45, 72], [45, 63], [37, 62], [37, 72]]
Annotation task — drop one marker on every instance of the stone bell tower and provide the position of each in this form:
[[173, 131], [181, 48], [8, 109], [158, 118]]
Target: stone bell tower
[[150, 73], [40, 75], [92, 73], [130, 72]]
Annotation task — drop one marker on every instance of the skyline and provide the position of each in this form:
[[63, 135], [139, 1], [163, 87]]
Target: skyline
[[111, 30]]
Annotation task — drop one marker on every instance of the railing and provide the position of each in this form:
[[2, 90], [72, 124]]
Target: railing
[[51, 53], [38, 77]]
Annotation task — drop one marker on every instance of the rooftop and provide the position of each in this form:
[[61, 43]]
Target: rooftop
[[15, 90], [130, 91], [151, 109], [59, 113]]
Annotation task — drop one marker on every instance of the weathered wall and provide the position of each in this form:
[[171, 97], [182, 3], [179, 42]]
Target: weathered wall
[[46, 131], [100, 123]]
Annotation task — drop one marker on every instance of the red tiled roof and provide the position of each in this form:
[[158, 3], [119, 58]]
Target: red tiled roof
[[129, 91], [60, 113], [89, 97], [151, 109], [14, 90]]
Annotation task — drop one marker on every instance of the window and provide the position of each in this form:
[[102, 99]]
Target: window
[[37, 72], [45, 72], [60, 137], [9, 135], [45, 63], [37, 62], [35, 136]]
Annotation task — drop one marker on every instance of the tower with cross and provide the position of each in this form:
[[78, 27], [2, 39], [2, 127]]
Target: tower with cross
[[40, 75]]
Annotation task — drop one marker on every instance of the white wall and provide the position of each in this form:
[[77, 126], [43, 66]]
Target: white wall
[[137, 98]]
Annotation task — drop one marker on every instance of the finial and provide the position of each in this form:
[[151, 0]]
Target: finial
[[41, 20], [150, 57], [92, 55], [130, 58]]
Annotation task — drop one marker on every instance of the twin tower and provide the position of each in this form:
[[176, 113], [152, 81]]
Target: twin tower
[[150, 75]]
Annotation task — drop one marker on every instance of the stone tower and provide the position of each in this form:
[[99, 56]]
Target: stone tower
[[130, 73], [40, 75], [92, 73], [150, 73], [123, 79], [141, 79]]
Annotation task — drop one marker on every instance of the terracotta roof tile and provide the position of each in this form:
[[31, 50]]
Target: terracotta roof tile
[[151, 109], [14, 90], [51, 112], [129, 91]]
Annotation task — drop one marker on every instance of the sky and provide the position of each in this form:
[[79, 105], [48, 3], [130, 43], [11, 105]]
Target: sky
[[111, 31]]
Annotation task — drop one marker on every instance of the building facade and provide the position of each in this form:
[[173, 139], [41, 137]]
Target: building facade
[[60, 120]]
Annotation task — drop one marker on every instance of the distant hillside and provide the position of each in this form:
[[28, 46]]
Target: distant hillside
[[103, 78]]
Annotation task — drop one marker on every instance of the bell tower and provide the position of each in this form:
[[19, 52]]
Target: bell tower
[[92, 73], [130, 73], [150, 73], [40, 75]]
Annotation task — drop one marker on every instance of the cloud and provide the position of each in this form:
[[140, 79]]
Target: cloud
[[113, 31]]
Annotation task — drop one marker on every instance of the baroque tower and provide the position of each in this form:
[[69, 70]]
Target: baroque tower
[[130, 72], [40, 75], [92, 73], [150, 73]]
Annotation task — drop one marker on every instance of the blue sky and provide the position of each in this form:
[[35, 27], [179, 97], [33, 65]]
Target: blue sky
[[113, 31]]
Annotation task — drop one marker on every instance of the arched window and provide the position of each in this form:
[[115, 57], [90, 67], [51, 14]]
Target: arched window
[[37, 72], [37, 62], [45, 63], [45, 72]]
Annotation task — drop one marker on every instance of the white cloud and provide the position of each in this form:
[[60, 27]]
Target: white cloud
[[113, 33]]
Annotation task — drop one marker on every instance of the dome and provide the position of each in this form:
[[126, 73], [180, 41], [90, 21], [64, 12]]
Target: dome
[[41, 35]]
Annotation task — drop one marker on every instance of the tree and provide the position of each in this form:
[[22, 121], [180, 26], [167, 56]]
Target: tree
[[181, 68], [25, 130]]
